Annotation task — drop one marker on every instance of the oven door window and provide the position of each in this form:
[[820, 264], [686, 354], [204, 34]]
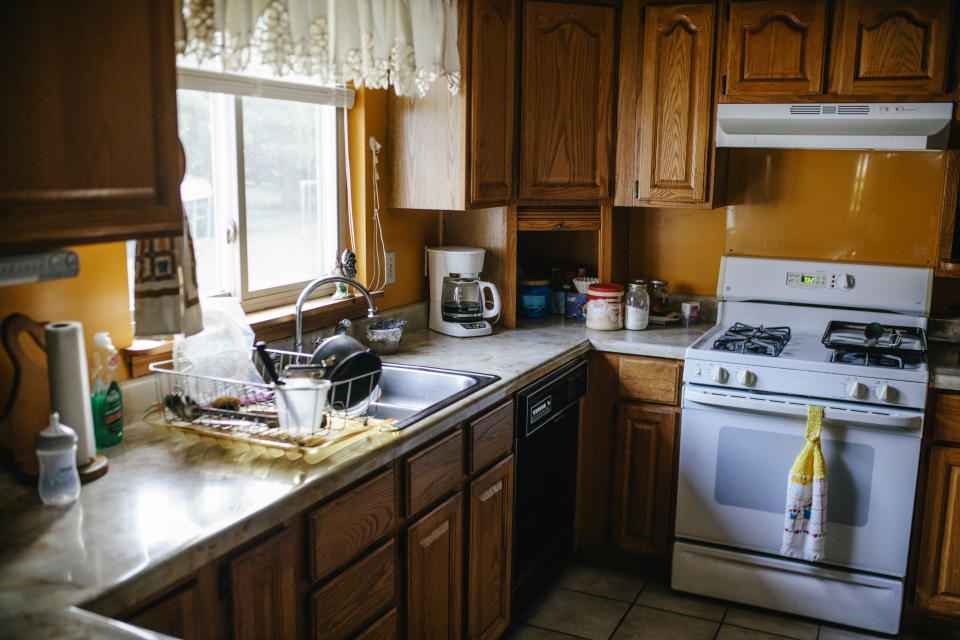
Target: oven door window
[[749, 463]]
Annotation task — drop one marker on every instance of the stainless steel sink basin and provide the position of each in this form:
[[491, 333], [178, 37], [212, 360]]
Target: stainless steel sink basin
[[410, 393]]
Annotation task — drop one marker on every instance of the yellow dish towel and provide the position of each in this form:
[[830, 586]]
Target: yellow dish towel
[[806, 514]]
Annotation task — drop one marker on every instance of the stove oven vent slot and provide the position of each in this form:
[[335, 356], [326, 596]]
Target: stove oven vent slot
[[853, 109], [805, 109]]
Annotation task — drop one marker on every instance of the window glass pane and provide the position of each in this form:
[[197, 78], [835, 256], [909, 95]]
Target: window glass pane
[[290, 186], [201, 119]]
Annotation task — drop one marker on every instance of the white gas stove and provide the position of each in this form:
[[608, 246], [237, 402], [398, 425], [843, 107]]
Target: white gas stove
[[789, 334]]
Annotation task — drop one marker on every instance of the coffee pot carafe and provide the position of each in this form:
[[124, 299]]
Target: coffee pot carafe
[[460, 303]]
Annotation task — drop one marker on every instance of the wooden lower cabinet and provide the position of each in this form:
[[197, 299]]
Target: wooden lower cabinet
[[938, 570], [174, 614], [490, 548], [641, 513], [264, 589], [434, 555], [355, 597]]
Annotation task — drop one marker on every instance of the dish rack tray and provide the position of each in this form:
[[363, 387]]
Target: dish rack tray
[[242, 415]]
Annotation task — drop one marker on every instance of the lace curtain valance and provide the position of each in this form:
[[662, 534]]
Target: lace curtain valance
[[377, 43]]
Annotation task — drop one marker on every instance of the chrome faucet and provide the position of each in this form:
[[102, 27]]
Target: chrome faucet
[[322, 280]]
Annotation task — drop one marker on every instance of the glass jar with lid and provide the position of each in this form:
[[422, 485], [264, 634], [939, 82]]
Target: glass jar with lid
[[659, 296], [637, 306]]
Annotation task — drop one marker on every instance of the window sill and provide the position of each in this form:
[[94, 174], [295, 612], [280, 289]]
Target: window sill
[[268, 324]]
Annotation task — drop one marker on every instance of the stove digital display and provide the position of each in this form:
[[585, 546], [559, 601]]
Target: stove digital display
[[816, 280], [805, 279]]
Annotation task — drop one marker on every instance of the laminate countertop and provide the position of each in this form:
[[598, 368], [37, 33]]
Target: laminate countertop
[[943, 360], [167, 508]]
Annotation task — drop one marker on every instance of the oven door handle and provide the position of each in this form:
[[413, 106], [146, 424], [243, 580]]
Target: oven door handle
[[886, 419]]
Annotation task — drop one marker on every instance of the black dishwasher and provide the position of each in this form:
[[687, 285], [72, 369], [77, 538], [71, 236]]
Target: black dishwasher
[[548, 420]]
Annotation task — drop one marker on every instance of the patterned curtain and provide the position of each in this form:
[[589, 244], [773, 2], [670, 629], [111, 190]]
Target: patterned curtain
[[378, 43]]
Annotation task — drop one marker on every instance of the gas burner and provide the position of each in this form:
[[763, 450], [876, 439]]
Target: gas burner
[[761, 341], [863, 359]]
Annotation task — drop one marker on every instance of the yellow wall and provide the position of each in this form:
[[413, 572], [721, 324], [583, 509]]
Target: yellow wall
[[97, 297], [405, 232], [855, 206]]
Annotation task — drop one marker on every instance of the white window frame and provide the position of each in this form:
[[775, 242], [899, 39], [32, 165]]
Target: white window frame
[[239, 86]]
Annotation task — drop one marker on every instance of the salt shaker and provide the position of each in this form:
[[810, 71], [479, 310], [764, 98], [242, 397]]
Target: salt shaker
[[637, 303], [59, 483]]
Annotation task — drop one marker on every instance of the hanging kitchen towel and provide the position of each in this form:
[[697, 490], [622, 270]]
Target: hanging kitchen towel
[[165, 296], [806, 514]]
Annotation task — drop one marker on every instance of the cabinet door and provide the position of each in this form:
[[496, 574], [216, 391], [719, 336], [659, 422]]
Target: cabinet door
[[643, 479], [938, 572], [676, 108], [891, 47], [263, 581], [174, 615], [776, 47], [491, 545], [435, 573], [89, 133], [493, 61], [567, 101]]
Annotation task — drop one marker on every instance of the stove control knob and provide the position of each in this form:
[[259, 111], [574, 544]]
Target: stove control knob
[[718, 374], [746, 378], [855, 389], [885, 393]]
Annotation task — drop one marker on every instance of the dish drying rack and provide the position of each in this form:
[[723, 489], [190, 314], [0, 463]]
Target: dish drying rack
[[242, 415]]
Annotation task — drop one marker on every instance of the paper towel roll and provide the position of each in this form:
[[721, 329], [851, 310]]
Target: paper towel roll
[[70, 384]]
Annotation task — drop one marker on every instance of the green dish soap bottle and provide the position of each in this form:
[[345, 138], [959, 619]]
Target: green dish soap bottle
[[105, 396]]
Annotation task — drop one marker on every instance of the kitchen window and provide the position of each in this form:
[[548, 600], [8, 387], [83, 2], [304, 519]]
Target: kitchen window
[[264, 190]]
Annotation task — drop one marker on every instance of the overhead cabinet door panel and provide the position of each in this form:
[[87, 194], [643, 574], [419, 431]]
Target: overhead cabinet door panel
[[567, 101], [776, 47], [676, 106]]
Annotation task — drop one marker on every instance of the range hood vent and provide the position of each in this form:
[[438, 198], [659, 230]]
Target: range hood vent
[[911, 126]]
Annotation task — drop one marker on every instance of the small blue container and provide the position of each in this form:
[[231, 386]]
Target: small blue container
[[576, 306], [534, 298]]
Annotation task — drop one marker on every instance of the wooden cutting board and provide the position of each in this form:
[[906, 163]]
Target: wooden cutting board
[[27, 410]]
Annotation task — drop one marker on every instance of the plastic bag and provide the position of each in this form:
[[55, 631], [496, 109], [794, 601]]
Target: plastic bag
[[224, 348]]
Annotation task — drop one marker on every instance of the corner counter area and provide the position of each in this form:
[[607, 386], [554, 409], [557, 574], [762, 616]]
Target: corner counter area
[[166, 512]]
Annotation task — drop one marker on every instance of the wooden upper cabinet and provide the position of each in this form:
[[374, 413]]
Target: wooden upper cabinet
[[89, 133], [455, 152], [776, 47], [676, 104], [264, 589], [566, 102], [938, 569], [493, 53], [891, 47]]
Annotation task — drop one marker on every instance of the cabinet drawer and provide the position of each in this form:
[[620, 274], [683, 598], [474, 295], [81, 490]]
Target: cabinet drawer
[[383, 629], [649, 379], [344, 605], [491, 437], [434, 472], [341, 529], [947, 421]]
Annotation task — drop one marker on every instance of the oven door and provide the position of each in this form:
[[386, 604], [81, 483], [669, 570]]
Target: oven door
[[736, 449]]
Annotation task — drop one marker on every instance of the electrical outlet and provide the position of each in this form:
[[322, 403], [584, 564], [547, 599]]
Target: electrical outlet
[[391, 267]]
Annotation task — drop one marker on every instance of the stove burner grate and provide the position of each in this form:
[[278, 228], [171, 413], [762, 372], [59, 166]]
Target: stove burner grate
[[761, 341], [864, 359]]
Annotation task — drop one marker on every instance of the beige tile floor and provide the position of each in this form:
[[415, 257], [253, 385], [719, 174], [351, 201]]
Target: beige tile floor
[[598, 603]]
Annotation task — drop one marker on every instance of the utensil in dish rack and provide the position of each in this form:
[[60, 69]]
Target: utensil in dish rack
[[301, 404]]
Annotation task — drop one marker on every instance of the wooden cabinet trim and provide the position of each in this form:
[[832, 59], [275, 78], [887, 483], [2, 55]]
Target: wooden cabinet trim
[[383, 629], [434, 472], [491, 437], [351, 600], [343, 528], [948, 264]]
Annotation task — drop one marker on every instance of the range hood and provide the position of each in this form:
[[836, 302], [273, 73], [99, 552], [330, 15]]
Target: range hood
[[909, 126]]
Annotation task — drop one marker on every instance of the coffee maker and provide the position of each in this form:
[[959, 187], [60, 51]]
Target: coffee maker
[[458, 298]]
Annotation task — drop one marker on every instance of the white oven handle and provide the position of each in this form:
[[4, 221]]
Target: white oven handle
[[784, 405]]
